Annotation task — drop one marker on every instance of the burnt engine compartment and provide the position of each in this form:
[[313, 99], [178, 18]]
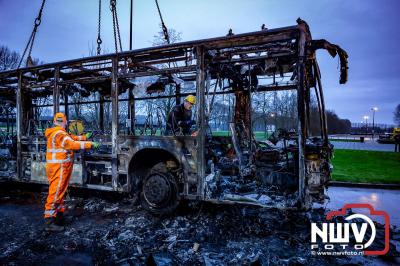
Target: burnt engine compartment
[[274, 163]]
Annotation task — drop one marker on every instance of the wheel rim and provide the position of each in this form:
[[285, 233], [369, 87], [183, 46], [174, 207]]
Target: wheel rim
[[3, 165], [157, 190]]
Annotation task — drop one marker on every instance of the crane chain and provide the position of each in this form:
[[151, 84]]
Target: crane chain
[[99, 41], [117, 35], [112, 6], [118, 31], [31, 40], [164, 28]]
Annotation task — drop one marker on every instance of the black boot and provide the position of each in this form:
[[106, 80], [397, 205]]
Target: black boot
[[60, 219], [51, 226]]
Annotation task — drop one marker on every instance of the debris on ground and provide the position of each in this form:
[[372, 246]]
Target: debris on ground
[[101, 231]]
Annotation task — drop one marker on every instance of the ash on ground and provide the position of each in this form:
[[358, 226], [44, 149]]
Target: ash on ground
[[104, 231]]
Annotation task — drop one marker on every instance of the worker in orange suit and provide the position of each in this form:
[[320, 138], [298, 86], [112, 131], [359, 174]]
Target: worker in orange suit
[[59, 164]]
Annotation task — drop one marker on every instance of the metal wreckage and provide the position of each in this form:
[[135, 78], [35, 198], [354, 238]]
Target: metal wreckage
[[290, 171]]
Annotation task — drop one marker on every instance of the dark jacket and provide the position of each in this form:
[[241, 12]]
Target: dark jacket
[[179, 119]]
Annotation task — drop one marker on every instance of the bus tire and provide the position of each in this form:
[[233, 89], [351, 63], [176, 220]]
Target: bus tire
[[159, 194]]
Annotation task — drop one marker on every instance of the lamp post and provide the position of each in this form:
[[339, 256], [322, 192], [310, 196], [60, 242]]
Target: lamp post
[[273, 116], [366, 123], [374, 109], [130, 26]]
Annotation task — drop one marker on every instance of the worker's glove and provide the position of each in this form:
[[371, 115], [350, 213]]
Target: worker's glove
[[88, 135], [95, 145]]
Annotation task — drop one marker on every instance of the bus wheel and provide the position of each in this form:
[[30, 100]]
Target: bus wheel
[[4, 165], [159, 193]]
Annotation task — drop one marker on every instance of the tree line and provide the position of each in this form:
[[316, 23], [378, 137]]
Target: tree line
[[10, 59]]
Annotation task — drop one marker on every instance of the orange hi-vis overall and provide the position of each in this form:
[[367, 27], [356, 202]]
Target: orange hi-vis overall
[[59, 163]]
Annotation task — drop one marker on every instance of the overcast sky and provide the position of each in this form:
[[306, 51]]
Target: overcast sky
[[367, 29]]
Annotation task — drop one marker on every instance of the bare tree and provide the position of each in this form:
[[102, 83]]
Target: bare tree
[[284, 105], [159, 39], [262, 111], [396, 113], [8, 59]]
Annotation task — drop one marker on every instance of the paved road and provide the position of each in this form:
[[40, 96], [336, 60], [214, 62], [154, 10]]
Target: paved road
[[380, 199], [366, 146]]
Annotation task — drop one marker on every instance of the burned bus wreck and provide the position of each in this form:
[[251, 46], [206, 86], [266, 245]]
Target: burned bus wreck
[[124, 100]]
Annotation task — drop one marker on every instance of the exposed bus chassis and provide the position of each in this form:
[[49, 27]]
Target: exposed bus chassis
[[164, 169]]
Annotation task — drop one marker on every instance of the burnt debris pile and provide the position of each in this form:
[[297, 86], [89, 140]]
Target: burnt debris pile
[[102, 231]]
